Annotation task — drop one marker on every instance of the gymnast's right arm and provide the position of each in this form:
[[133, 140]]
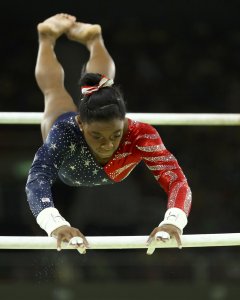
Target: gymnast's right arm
[[42, 174]]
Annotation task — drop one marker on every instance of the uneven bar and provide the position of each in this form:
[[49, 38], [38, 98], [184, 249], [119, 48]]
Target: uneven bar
[[200, 119], [120, 242]]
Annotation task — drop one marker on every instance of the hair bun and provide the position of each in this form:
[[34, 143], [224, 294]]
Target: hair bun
[[90, 79]]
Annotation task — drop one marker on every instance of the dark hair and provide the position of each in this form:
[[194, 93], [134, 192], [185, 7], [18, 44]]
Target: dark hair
[[105, 104]]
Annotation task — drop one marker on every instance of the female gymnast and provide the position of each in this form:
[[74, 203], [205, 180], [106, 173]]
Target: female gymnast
[[94, 143]]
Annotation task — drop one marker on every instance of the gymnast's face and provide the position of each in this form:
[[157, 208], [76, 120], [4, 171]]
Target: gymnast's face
[[103, 137]]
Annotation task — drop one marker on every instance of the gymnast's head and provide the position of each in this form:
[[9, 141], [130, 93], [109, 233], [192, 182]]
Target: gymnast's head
[[102, 113]]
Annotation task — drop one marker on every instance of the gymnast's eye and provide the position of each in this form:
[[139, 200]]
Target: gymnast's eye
[[96, 137], [116, 136]]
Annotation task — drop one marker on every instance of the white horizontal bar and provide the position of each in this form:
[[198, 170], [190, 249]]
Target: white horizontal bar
[[217, 119], [121, 242], [187, 118], [20, 117]]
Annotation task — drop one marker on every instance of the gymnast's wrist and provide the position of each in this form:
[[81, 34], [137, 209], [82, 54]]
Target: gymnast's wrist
[[50, 219], [175, 216]]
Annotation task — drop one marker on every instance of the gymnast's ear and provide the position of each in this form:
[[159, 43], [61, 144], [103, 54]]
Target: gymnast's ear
[[79, 122]]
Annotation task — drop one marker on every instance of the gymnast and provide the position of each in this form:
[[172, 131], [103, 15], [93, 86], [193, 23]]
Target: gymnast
[[94, 143]]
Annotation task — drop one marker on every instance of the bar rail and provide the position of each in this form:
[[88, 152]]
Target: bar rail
[[199, 119], [120, 242]]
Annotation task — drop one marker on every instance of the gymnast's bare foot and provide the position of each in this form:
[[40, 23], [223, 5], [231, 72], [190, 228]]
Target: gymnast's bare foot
[[84, 33], [56, 25]]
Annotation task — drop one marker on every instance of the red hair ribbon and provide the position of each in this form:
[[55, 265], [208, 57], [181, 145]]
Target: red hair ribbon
[[89, 89]]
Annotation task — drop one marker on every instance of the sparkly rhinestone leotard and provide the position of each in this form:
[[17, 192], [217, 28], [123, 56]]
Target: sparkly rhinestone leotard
[[66, 154]]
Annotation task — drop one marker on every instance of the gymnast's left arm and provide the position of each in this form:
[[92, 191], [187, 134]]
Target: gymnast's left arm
[[171, 178]]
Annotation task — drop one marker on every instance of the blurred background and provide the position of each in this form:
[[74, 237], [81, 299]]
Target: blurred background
[[171, 56]]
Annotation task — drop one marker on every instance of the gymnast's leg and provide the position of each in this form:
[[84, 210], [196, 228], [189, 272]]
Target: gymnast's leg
[[49, 72], [90, 35]]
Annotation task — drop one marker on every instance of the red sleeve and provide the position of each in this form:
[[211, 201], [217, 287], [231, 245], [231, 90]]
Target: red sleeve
[[165, 168]]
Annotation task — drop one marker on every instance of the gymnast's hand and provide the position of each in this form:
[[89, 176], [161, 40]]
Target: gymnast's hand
[[163, 233], [71, 235]]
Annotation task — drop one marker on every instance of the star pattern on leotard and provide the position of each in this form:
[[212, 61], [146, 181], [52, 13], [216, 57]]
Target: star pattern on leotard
[[66, 155]]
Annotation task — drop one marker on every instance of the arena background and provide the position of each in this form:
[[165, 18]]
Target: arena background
[[171, 56]]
